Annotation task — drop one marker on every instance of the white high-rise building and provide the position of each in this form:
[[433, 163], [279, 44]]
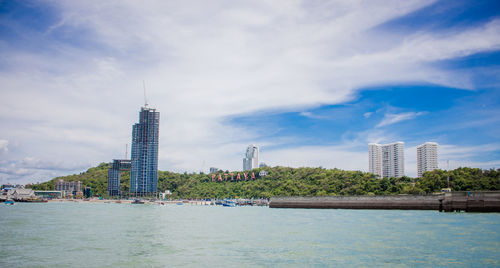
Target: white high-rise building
[[427, 157], [387, 160], [251, 159], [375, 159]]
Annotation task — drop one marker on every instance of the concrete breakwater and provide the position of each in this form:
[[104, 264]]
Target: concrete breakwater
[[455, 201]]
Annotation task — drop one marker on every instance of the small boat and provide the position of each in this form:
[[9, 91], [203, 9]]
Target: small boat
[[180, 203], [229, 203], [138, 201], [9, 202]]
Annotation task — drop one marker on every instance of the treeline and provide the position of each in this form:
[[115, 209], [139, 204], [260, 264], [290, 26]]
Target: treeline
[[286, 181]]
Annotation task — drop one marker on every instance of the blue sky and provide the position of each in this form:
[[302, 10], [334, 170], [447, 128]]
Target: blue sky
[[310, 82]]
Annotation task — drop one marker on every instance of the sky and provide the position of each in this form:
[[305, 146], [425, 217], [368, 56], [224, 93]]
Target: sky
[[309, 82]]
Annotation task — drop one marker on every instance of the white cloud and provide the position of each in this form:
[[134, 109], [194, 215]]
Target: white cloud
[[390, 119], [4, 148], [32, 169], [315, 156], [311, 115], [204, 62], [367, 114]]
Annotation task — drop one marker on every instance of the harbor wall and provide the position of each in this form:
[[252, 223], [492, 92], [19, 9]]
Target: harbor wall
[[456, 201]]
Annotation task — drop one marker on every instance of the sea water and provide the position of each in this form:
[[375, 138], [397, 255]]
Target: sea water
[[127, 235]]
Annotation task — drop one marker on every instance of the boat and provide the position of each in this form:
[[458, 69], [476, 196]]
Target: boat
[[9, 202], [138, 201], [180, 203], [229, 203]]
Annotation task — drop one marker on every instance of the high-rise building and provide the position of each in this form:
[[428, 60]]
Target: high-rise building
[[427, 157], [114, 174], [386, 160], [251, 159], [214, 169], [375, 159], [144, 170]]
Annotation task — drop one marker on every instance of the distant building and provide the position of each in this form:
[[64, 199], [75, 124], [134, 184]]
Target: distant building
[[20, 194], [375, 159], [68, 187], [251, 159], [165, 194], [427, 157], [145, 135], [8, 186], [386, 160], [262, 164], [49, 194], [214, 169], [87, 192], [114, 174]]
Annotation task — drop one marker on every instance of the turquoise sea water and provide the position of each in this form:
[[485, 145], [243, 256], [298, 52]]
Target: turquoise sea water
[[125, 235]]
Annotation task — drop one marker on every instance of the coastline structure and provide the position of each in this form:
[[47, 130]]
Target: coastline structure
[[144, 154], [448, 202]]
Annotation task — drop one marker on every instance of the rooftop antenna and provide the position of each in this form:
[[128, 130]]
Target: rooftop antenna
[[145, 100]]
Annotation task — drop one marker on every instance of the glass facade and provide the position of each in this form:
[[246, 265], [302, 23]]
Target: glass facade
[[144, 172], [114, 174]]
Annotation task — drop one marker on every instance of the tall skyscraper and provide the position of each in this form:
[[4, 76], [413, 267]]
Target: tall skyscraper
[[386, 160], [427, 157], [251, 159], [145, 134]]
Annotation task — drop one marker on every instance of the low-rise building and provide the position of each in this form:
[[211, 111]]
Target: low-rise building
[[49, 194], [68, 187], [20, 194]]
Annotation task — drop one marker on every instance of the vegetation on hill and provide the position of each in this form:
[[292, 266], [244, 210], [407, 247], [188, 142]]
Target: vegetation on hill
[[285, 181]]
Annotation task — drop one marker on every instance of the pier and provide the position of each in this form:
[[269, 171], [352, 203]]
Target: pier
[[447, 202]]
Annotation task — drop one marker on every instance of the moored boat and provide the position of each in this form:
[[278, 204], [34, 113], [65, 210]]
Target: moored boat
[[229, 203]]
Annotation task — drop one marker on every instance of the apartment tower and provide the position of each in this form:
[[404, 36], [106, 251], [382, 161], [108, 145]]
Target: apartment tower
[[427, 157], [251, 159], [386, 160]]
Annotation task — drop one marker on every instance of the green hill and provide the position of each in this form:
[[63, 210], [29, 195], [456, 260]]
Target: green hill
[[285, 181]]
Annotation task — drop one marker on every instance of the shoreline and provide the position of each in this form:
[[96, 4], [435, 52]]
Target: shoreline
[[128, 201]]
